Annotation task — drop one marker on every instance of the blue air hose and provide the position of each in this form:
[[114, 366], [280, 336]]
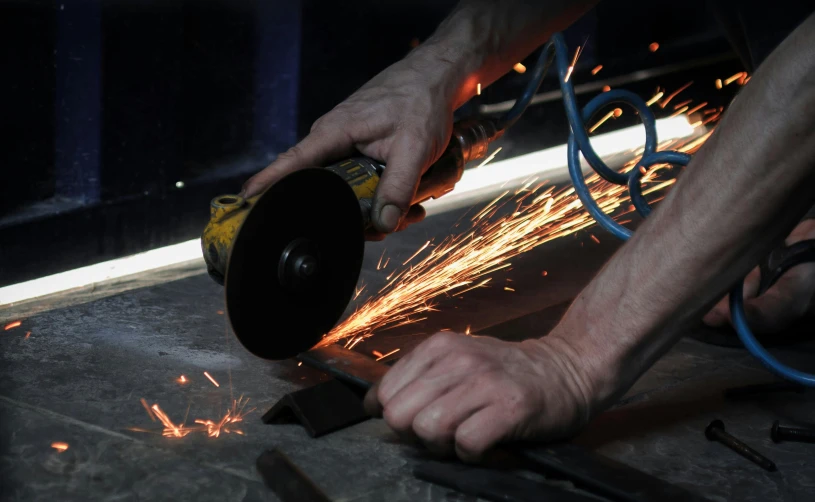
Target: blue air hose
[[579, 143]]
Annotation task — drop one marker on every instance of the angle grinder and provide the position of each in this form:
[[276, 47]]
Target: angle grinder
[[290, 258]]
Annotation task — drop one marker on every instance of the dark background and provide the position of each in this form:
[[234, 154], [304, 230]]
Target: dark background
[[108, 105]]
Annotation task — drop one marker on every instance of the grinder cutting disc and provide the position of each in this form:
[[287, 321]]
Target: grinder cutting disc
[[294, 264]]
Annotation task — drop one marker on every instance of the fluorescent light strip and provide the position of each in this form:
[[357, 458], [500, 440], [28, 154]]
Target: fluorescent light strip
[[551, 163], [543, 164], [105, 271]]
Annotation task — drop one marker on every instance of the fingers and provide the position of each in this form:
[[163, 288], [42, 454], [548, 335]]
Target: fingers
[[323, 145], [481, 431], [415, 214], [719, 315], [436, 423], [409, 156], [413, 365]]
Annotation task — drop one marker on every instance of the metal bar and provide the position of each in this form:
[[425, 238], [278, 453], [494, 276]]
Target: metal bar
[[286, 480], [346, 365]]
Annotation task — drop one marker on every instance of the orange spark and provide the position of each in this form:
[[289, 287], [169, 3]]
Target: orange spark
[[596, 69], [60, 447], [680, 105], [12, 325], [169, 427], [519, 67], [507, 288], [414, 255], [478, 88], [615, 113], [211, 379], [147, 408], [570, 69], [595, 239], [674, 94], [544, 273], [732, 78], [679, 112], [383, 356], [718, 83], [654, 99], [220, 312], [182, 380], [606, 88], [27, 334], [300, 363], [697, 108], [467, 331], [653, 47], [643, 170], [376, 353]]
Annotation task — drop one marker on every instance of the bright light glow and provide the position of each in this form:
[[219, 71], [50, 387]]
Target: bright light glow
[[113, 269], [551, 163]]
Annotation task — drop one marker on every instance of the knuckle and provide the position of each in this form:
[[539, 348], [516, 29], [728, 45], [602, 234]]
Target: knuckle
[[396, 420], [442, 340], [468, 445], [431, 425], [292, 154]]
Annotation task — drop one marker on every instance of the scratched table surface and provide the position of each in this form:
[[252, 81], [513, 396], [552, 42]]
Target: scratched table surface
[[80, 375]]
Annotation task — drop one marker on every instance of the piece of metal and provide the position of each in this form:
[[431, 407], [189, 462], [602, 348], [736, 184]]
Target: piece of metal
[[715, 432], [599, 474], [320, 409], [780, 433], [346, 365], [492, 484], [286, 480], [748, 391]]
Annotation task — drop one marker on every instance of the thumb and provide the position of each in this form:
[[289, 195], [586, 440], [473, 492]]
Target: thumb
[[323, 145], [407, 160]]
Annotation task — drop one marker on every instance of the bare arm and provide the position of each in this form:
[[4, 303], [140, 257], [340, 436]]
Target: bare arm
[[404, 115], [743, 192], [740, 196]]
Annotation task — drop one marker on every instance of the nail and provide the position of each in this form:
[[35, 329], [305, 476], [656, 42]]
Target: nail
[[389, 217], [715, 432]]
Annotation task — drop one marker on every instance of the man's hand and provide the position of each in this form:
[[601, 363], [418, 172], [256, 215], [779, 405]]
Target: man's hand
[[464, 394], [788, 300], [402, 117]]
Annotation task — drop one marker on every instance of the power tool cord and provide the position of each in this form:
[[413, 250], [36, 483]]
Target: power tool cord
[[579, 143]]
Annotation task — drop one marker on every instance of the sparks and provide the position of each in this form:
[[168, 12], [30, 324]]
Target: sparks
[[206, 374], [12, 325], [376, 353], [414, 255], [507, 288], [478, 88], [718, 83], [60, 447], [489, 159], [519, 67], [736, 76], [467, 331], [606, 88], [383, 356], [596, 69], [147, 408], [595, 239], [654, 99], [27, 334], [570, 69], [220, 312], [615, 113], [653, 47], [697, 108], [674, 94], [182, 380], [509, 225], [300, 363]]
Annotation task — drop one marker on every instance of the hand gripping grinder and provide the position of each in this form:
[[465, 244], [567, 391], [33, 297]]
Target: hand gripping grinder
[[290, 258]]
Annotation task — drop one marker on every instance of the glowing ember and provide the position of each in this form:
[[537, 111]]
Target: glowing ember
[[674, 94], [147, 408], [211, 428], [12, 325], [206, 374], [467, 331], [656, 98], [718, 83], [653, 47], [60, 447], [736, 76], [300, 363], [182, 380], [570, 69], [220, 312], [383, 356], [606, 88], [519, 67], [478, 88], [595, 239], [596, 69], [615, 113], [544, 273], [507, 288], [27, 334], [376, 353]]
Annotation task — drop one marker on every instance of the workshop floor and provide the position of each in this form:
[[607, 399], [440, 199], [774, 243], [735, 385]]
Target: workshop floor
[[79, 377]]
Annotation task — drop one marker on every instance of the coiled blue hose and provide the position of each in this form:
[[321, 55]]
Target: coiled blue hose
[[579, 143]]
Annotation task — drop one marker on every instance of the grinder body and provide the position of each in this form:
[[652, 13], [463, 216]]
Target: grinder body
[[310, 255]]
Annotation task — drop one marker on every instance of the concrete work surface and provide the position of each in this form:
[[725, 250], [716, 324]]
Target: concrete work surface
[[79, 376]]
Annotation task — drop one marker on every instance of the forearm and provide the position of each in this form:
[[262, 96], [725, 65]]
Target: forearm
[[743, 192], [482, 39]]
